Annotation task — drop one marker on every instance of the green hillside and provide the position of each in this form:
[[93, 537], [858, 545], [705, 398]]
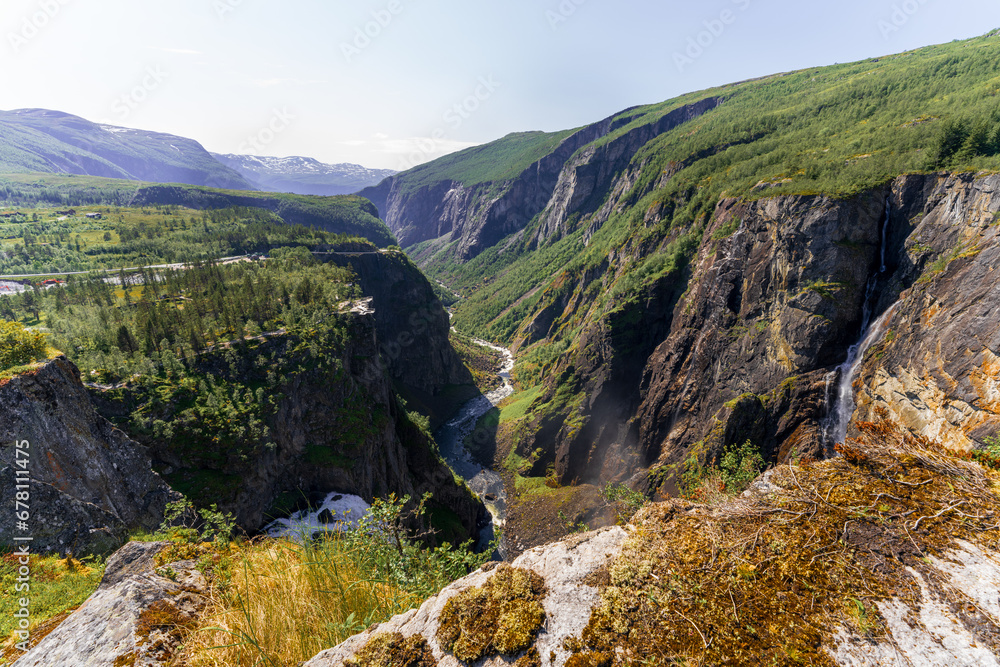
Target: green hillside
[[498, 160], [836, 130]]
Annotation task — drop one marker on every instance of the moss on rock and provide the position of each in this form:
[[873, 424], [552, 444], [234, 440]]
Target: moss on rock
[[503, 616], [391, 649]]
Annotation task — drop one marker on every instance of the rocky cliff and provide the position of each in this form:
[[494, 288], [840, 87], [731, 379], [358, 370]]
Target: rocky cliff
[[136, 617], [336, 425], [89, 483], [411, 324], [775, 294], [935, 366]]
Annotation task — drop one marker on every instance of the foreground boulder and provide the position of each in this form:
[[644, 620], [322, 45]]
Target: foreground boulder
[[570, 571], [136, 617], [90, 483], [886, 555]]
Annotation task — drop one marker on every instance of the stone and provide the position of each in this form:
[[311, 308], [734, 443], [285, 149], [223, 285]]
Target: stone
[[566, 567], [90, 483], [136, 617]]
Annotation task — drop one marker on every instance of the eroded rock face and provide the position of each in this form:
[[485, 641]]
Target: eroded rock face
[[560, 184], [411, 324], [747, 344], [135, 618], [741, 348], [90, 483]]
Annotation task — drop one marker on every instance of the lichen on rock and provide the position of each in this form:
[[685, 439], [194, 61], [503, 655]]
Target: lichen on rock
[[503, 616]]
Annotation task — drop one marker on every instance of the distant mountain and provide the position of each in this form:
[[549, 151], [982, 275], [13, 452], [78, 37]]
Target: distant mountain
[[303, 175], [39, 140]]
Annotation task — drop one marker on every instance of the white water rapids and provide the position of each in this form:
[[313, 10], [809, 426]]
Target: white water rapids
[[450, 438]]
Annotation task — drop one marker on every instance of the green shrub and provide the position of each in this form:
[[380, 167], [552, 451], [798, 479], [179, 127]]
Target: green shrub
[[19, 346], [626, 501], [739, 466]]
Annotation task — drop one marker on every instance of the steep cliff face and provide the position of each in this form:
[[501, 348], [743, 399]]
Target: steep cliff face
[[751, 349], [936, 366], [89, 483], [567, 180], [592, 174], [337, 426], [411, 324]]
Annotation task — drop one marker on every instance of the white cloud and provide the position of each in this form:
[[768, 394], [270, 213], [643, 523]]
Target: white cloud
[[183, 52], [267, 83], [408, 153]]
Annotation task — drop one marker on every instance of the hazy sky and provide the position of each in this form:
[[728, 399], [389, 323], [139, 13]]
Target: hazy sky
[[389, 83]]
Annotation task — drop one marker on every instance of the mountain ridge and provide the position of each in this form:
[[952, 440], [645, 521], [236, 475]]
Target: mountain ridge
[[42, 140], [303, 175]]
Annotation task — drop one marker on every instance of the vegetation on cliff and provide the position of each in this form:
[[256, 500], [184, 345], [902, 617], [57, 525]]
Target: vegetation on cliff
[[279, 601], [839, 130]]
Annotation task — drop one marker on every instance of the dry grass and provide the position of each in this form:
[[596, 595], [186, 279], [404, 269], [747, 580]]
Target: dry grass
[[286, 602]]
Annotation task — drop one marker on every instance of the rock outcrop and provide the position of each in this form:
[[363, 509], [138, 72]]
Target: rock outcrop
[[410, 321], [136, 617], [89, 483], [886, 556], [936, 369], [571, 572]]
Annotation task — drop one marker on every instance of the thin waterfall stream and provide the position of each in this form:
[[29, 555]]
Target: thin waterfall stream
[[841, 405]]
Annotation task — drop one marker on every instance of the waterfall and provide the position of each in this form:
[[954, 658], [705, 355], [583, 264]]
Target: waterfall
[[840, 411]]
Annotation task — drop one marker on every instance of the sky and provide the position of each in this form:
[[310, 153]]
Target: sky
[[395, 83]]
